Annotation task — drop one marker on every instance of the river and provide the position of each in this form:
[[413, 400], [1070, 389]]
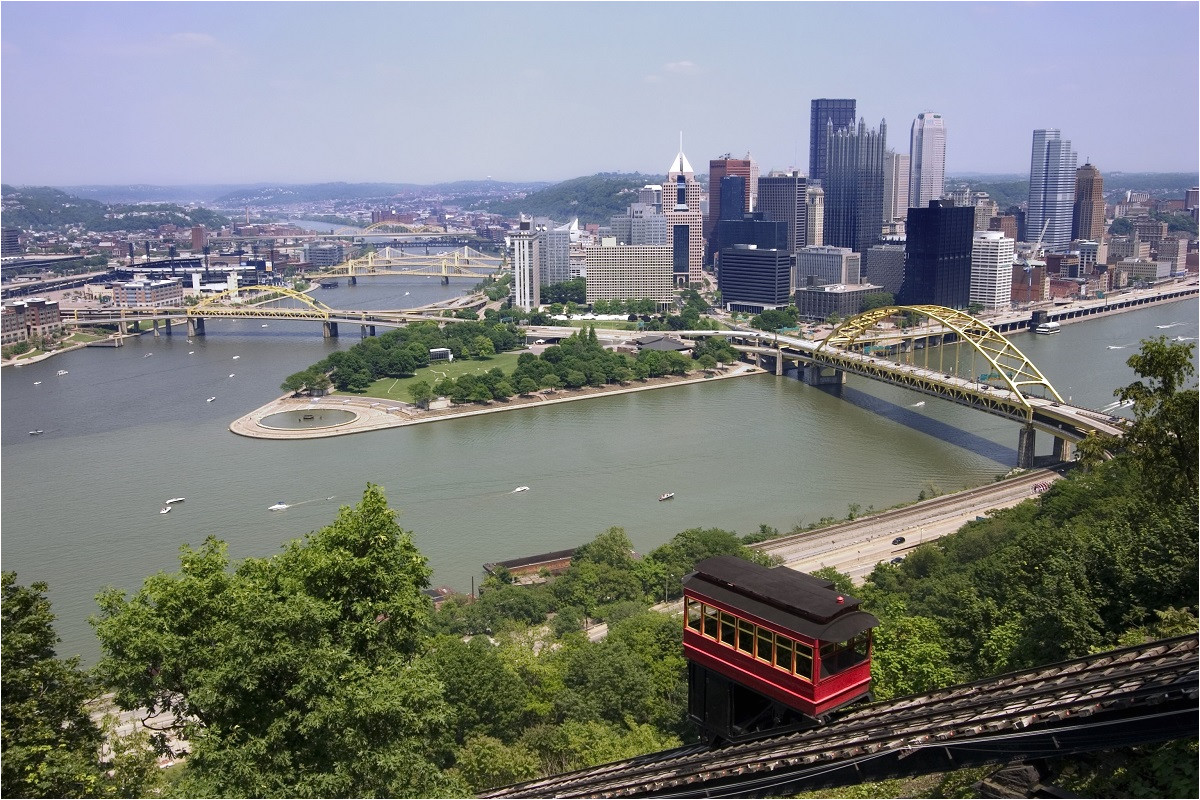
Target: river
[[127, 428]]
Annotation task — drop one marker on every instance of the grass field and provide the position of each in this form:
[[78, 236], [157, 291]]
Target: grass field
[[397, 388]]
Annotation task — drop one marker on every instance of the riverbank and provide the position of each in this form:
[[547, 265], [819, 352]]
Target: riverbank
[[372, 414]]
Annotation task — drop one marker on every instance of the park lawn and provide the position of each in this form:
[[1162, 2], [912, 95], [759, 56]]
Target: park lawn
[[397, 388]]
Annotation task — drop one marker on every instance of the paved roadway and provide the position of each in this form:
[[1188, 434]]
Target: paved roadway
[[854, 548]]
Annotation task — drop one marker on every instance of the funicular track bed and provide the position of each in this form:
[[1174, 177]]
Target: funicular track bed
[[1120, 685]]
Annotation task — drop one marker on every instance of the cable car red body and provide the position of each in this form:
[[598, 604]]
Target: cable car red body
[[770, 648]]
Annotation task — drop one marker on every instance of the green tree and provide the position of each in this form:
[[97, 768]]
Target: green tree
[[1164, 437], [486, 762], [50, 744], [483, 347], [292, 675], [421, 393]]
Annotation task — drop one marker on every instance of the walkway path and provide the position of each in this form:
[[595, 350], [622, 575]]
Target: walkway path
[[373, 414]]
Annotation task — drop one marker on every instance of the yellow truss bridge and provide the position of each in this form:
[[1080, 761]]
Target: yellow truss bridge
[[995, 362], [394, 227], [462, 263], [218, 305]]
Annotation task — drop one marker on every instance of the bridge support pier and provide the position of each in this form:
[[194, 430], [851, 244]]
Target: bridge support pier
[[166, 325], [329, 330], [445, 280], [779, 362], [195, 326], [816, 375], [1064, 450], [366, 330], [352, 281], [1025, 447]]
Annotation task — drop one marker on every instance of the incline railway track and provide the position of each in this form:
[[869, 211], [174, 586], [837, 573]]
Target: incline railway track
[[1129, 696]]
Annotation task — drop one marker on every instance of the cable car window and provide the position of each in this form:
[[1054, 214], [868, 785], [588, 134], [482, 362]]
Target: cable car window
[[728, 626], [804, 661], [745, 636], [764, 645], [694, 614], [783, 652], [710, 622]]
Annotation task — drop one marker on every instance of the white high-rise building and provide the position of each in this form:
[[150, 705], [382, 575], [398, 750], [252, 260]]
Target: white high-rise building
[[991, 269], [927, 160], [1051, 190], [681, 195], [526, 294], [895, 186]]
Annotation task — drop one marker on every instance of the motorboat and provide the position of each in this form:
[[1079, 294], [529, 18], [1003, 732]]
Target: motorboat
[[165, 510], [520, 489], [147, 355], [190, 352], [666, 496], [1047, 328], [174, 500], [280, 506], [264, 325], [38, 432], [37, 383], [235, 358], [232, 374], [62, 372], [209, 400]]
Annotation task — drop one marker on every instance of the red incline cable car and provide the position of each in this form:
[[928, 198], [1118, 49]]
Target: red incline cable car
[[770, 649]]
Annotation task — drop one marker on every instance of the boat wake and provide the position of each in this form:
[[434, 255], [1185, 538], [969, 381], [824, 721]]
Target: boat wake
[[918, 404], [1172, 325]]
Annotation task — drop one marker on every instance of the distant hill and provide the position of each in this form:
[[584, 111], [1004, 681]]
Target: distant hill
[[42, 208], [595, 198], [460, 192]]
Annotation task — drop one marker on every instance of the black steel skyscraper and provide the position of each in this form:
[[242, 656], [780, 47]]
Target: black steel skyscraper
[[937, 264], [824, 111]]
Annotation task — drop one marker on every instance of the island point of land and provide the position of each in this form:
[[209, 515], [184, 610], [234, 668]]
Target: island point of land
[[372, 414]]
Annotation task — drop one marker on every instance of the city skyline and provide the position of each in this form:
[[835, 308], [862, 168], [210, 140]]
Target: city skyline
[[174, 93]]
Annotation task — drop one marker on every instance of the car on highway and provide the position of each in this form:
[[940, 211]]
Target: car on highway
[[898, 540], [897, 559]]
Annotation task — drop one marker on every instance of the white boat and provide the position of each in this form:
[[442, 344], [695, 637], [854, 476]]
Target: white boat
[[165, 510], [264, 325], [280, 506], [666, 496], [174, 500], [37, 383], [62, 372], [38, 432], [235, 358], [209, 400], [231, 374], [147, 355], [190, 352], [520, 489], [1047, 328], [918, 404]]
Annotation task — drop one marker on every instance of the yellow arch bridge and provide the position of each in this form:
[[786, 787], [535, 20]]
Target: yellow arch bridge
[[460, 263], [943, 353]]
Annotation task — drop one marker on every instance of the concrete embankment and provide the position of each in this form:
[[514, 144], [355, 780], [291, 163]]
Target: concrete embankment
[[372, 414]]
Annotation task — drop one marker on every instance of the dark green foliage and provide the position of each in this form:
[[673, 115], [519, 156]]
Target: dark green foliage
[[572, 291], [486, 695], [43, 208], [294, 675], [774, 319], [595, 198], [877, 300], [662, 570], [50, 745]]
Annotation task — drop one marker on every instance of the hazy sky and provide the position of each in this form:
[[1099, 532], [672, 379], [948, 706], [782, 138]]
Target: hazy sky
[[240, 92]]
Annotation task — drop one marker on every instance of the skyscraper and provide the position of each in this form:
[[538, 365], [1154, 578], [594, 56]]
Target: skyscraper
[[731, 198], [927, 159], [783, 197], [991, 269], [526, 280], [825, 111], [816, 216], [756, 266], [718, 168], [895, 185], [1087, 218], [854, 186], [937, 264], [1051, 189], [685, 223]]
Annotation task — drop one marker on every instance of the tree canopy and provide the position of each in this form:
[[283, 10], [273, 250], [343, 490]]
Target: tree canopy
[[292, 675]]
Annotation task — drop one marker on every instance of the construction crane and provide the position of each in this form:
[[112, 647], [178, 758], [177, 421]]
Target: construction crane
[[1031, 260]]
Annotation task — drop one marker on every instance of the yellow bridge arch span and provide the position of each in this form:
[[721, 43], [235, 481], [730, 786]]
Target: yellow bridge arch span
[[215, 305], [1006, 361], [401, 227]]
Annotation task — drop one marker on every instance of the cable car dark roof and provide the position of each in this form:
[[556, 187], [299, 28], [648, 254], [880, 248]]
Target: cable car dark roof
[[796, 599]]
